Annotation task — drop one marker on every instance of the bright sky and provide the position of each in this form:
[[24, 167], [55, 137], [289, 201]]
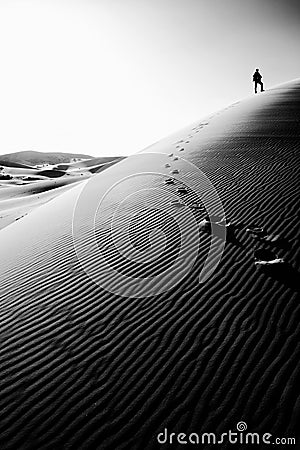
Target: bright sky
[[106, 77]]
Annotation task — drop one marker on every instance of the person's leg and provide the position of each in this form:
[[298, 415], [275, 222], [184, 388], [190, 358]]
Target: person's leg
[[255, 87], [261, 86]]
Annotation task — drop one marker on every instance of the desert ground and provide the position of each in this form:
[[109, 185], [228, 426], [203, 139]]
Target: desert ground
[[94, 358]]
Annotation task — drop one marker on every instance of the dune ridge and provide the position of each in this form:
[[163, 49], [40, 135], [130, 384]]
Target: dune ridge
[[84, 368]]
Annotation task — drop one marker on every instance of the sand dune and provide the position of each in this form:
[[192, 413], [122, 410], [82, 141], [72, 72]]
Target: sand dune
[[33, 158], [90, 165], [85, 368], [95, 161], [16, 201], [27, 188], [13, 164]]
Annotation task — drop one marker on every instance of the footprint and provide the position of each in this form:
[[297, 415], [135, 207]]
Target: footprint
[[182, 190], [197, 206], [169, 181], [257, 231], [177, 203], [264, 257]]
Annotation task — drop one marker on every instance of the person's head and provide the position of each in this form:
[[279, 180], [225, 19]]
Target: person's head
[[257, 70]]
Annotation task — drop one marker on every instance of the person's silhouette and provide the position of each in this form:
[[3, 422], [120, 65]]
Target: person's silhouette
[[257, 80]]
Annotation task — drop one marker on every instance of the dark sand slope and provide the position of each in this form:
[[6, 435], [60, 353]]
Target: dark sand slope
[[83, 368]]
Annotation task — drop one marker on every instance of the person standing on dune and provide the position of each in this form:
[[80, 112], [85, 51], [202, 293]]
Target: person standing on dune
[[257, 80]]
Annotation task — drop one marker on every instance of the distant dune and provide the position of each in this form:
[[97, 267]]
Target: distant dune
[[85, 367], [32, 158], [91, 164], [4, 162], [41, 177], [98, 160]]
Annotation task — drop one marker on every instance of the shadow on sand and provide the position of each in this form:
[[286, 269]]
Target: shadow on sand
[[284, 273]]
